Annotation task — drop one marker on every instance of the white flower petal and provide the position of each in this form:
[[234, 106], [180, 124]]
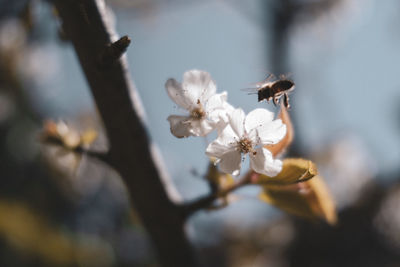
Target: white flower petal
[[263, 162], [271, 133], [217, 149], [198, 85], [228, 136], [253, 136], [217, 109], [177, 94], [236, 121], [223, 117], [257, 118], [230, 162], [216, 101], [180, 126], [221, 125], [228, 107], [201, 127]]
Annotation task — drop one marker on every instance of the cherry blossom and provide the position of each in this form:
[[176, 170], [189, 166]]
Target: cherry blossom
[[197, 94], [247, 135]]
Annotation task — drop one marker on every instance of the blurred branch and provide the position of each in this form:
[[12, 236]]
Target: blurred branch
[[100, 155], [27, 231], [66, 137], [11, 8], [10, 79], [206, 201], [131, 153], [284, 15]]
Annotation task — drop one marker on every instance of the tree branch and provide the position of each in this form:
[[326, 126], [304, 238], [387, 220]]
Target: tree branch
[[206, 201], [99, 155], [85, 24]]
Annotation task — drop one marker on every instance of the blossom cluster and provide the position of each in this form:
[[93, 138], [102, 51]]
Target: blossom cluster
[[238, 134]]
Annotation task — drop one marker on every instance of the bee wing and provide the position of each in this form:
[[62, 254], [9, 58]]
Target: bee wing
[[285, 76], [250, 91], [270, 77], [265, 81]]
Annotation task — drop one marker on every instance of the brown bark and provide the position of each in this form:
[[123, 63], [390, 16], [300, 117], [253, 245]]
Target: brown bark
[[85, 24]]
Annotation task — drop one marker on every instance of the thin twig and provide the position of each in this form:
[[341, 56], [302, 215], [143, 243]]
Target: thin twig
[[189, 209], [100, 155]]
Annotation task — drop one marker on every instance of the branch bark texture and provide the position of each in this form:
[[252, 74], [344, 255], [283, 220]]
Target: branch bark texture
[[84, 23]]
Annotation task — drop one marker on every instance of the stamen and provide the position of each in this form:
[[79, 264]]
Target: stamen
[[198, 113], [245, 145]]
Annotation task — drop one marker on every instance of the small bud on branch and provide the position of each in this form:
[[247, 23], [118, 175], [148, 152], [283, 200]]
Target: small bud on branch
[[114, 51]]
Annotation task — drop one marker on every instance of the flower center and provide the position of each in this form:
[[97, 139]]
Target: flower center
[[198, 113], [245, 145]]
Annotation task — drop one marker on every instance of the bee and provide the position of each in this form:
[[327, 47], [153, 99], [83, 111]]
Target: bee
[[275, 90]]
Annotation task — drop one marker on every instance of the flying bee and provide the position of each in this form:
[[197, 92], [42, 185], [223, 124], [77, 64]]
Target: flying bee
[[275, 90]]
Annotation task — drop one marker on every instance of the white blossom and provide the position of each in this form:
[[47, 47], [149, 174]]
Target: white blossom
[[247, 135], [197, 94]]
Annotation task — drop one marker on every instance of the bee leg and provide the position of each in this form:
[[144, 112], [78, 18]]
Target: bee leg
[[286, 101], [275, 100]]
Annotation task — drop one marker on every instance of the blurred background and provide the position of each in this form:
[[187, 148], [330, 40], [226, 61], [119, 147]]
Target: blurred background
[[62, 209]]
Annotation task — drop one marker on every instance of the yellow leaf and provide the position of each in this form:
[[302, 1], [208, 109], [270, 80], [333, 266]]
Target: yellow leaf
[[220, 180], [310, 199], [294, 170], [88, 137], [280, 147], [212, 173]]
